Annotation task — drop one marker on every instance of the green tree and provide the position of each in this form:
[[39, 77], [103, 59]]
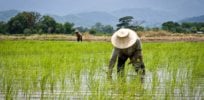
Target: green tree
[[168, 25], [108, 29], [3, 27], [199, 26], [82, 29], [186, 25], [98, 27], [202, 29], [27, 31], [171, 26], [68, 28], [125, 22], [22, 21], [47, 24], [92, 31], [59, 28], [194, 29], [128, 22]]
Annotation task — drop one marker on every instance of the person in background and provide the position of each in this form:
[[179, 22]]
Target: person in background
[[79, 36], [126, 44]]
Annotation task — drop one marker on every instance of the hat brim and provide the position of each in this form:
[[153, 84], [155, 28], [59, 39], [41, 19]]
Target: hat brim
[[123, 43]]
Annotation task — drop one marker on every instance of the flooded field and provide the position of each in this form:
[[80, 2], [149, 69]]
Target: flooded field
[[71, 70]]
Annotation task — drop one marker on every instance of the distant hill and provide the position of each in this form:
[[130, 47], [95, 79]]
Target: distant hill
[[87, 19], [194, 19], [151, 17], [82, 19], [6, 15]]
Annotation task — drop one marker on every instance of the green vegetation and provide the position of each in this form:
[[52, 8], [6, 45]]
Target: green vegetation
[[100, 28], [33, 23], [186, 27], [70, 70], [129, 22]]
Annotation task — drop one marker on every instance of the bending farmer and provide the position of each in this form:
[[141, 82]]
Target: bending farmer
[[126, 44]]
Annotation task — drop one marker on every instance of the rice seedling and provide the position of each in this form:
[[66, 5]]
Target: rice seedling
[[70, 70]]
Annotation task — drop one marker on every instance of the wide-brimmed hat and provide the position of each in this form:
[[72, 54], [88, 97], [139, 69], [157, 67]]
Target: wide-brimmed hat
[[124, 38]]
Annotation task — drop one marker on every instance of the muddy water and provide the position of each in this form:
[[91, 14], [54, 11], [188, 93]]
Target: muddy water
[[161, 84]]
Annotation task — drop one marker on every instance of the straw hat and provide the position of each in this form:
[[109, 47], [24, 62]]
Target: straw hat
[[124, 38]]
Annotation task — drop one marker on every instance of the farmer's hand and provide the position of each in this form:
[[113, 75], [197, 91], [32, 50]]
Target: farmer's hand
[[109, 74]]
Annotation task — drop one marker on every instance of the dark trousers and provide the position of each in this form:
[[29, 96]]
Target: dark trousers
[[121, 65], [136, 61], [79, 39]]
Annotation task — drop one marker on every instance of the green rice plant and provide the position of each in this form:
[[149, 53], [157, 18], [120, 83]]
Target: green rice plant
[[70, 70]]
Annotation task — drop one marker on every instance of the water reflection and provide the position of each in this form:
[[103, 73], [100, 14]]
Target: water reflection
[[165, 83], [161, 84]]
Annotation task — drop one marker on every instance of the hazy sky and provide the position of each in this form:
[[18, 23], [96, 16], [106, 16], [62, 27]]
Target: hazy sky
[[63, 7]]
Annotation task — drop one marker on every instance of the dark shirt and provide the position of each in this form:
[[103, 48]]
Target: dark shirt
[[129, 52]]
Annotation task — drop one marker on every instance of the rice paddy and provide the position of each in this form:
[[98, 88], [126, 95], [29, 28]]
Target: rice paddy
[[70, 70]]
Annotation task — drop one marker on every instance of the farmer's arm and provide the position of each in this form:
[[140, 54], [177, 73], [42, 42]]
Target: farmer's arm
[[139, 54], [139, 49], [112, 62]]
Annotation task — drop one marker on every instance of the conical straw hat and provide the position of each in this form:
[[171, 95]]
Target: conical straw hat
[[124, 38]]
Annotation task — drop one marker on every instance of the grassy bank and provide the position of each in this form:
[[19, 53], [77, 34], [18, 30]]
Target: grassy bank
[[147, 36]]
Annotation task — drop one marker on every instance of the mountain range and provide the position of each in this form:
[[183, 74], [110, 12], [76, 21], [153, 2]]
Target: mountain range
[[150, 17], [87, 19], [6, 15], [194, 19]]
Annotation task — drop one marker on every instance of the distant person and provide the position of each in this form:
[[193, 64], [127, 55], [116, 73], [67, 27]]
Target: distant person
[[126, 44], [79, 36]]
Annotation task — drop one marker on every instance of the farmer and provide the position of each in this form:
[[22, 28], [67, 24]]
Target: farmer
[[79, 36], [126, 45]]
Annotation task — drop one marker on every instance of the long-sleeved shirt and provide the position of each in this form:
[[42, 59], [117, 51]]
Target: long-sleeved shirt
[[129, 52]]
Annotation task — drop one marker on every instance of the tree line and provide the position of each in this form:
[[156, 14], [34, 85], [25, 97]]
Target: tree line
[[33, 22], [185, 27], [174, 27]]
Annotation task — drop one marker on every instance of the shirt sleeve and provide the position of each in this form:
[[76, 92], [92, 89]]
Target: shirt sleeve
[[113, 58], [138, 45]]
